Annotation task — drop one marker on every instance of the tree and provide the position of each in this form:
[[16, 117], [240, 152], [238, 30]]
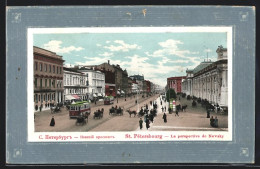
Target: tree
[[170, 94]]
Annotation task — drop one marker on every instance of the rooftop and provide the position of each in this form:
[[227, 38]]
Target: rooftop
[[46, 52], [201, 66]]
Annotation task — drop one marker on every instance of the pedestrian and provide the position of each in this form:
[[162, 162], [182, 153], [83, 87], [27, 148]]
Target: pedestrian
[[177, 113], [208, 113], [135, 101], [95, 101], [165, 118], [40, 107], [216, 122], [151, 117], [147, 123], [141, 123], [161, 102], [165, 108], [162, 109], [212, 121], [52, 123]]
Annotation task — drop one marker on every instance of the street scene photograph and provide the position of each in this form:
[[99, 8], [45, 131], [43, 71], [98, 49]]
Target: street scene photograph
[[131, 80]]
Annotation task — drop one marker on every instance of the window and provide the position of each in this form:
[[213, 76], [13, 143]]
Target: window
[[41, 83], [44, 98], [36, 98], [60, 70], [53, 69], [36, 65], [35, 82], [57, 71], [45, 67], [40, 66], [49, 82], [39, 98], [45, 82], [53, 83], [60, 84], [50, 68]]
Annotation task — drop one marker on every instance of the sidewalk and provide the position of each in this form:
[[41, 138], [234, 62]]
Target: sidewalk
[[194, 119]]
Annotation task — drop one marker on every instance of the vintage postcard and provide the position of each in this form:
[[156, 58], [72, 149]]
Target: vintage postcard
[[130, 84]]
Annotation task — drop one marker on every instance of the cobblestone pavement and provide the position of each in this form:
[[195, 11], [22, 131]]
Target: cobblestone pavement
[[193, 119], [64, 123]]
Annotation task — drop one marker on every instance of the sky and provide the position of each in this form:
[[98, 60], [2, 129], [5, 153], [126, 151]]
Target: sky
[[157, 56]]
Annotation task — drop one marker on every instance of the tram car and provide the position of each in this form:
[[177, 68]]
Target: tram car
[[81, 108], [108, 100]]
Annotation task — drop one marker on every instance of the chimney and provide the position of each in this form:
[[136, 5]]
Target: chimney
[[108, 62]]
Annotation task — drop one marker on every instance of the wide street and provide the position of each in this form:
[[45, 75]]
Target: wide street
[[193, 119]]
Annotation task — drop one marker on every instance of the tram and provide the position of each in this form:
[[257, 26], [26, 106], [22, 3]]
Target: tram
[[80, 108], [108, 100]]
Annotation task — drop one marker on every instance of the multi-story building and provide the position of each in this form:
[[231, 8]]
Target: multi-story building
[[121, 81], [175, 83], [95, 82], [209, 80], [75, 85], [139, 80], [130, 82], [48, 78]]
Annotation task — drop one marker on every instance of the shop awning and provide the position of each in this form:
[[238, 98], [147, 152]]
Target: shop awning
[[122, 92], [99, 94], [94, 95], [69, 97], [76, 96], [118, 92]]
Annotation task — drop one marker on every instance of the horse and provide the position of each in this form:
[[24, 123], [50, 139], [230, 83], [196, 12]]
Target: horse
[[131, 112], [184, 107]]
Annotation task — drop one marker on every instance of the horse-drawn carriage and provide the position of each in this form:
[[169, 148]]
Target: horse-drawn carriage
[[55, 109], [81, 120], [194, 104], [98, 113], [116, 111]]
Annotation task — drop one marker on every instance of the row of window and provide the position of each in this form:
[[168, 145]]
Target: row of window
[[74, 91], [44, 97], [47, 68], [47, 83]]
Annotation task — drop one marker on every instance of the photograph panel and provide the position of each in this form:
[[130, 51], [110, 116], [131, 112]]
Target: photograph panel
[[132, 83]]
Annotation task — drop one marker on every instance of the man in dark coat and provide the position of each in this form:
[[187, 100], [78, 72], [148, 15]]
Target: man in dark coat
[[141, 123], [151, 117], [52, 123], [165, 118], [177, 113], [147, 123]]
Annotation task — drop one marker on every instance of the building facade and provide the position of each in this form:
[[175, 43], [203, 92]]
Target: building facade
[[75, 85], [95, 82], [48, 78], [209, 80], [138, 79], [175, 83]]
